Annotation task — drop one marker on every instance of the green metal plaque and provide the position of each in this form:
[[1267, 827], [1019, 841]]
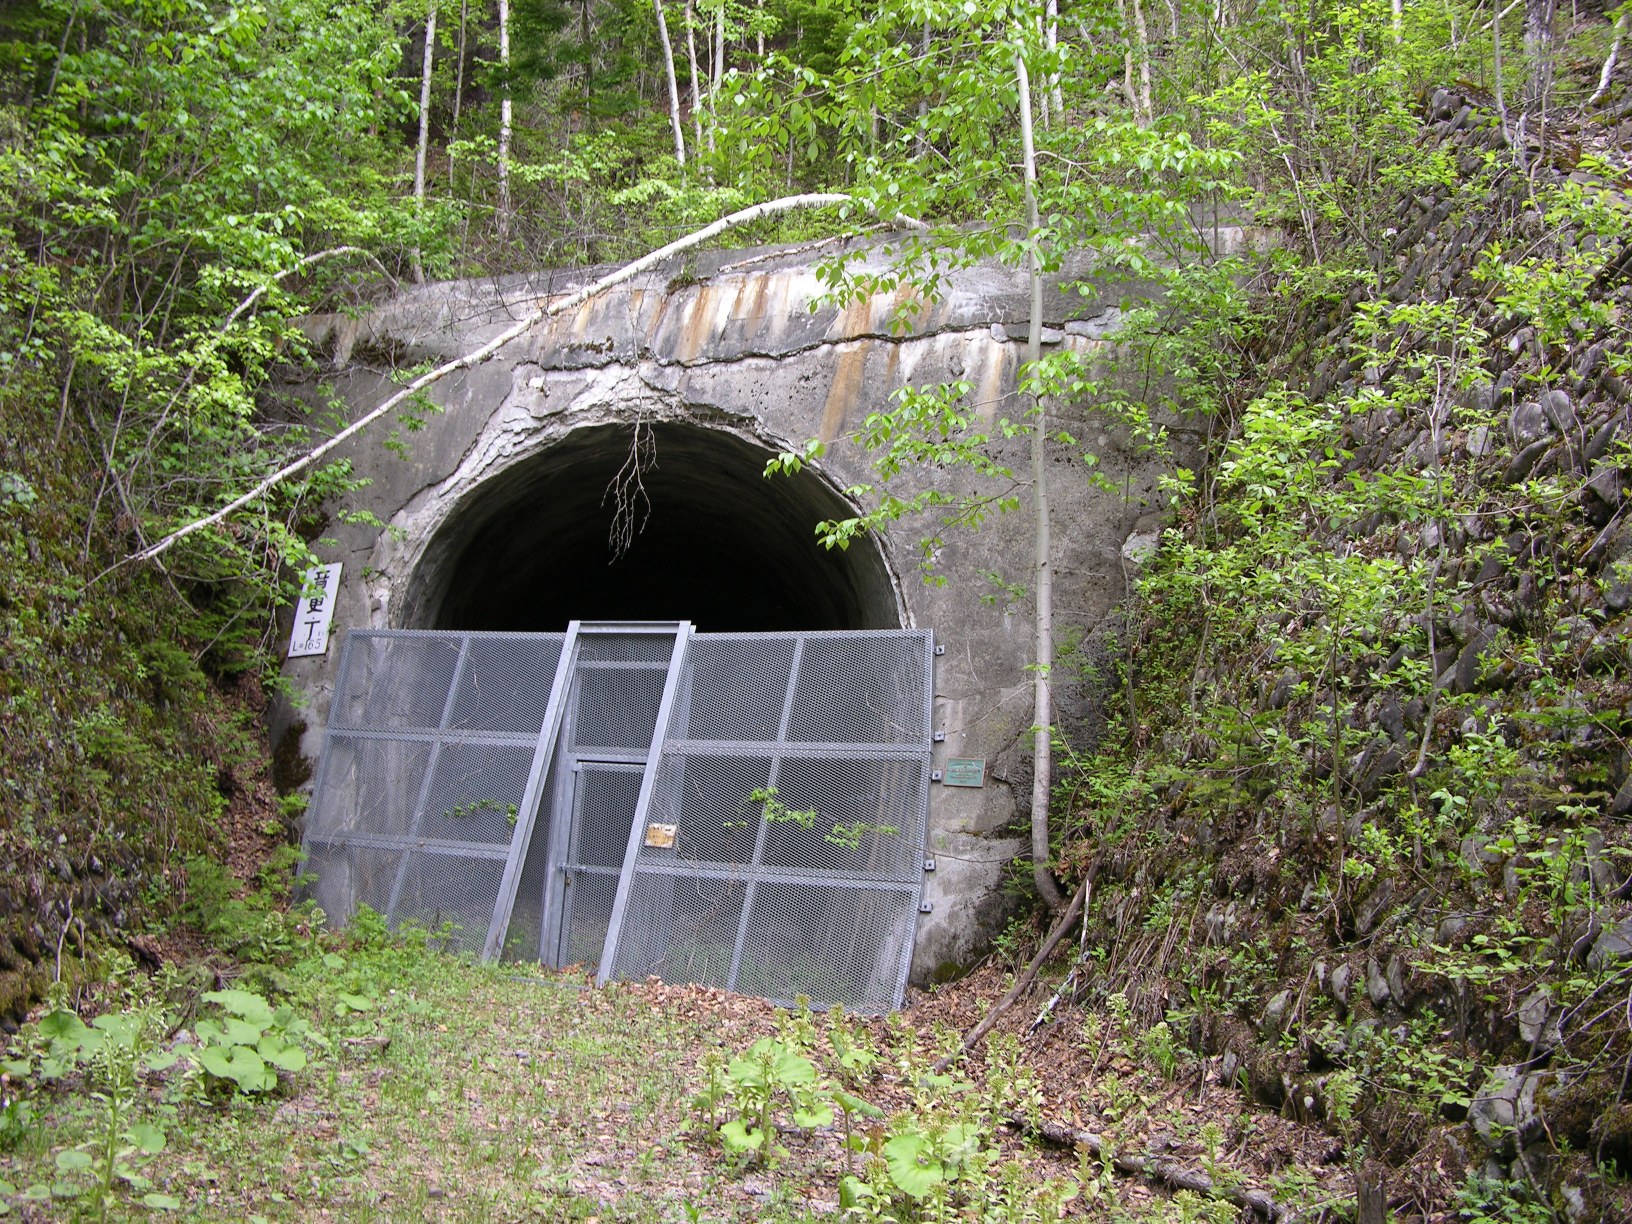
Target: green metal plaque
[[965, 771]]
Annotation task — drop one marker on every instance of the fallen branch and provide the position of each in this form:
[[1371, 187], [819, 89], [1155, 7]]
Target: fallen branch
[[973, 1037], [1169, 1173], [545, 310]]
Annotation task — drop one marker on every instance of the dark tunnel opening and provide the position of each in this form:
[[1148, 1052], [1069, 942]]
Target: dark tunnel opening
[[721, 546]]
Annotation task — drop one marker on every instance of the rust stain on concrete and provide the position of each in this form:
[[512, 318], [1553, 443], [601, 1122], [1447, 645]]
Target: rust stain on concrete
[[696, 322], [845, 389]]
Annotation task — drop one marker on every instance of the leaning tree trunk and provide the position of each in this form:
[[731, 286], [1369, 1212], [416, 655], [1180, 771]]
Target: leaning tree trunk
[[1042, 781]]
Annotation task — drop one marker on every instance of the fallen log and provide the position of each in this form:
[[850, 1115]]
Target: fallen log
[[1160, 1169]]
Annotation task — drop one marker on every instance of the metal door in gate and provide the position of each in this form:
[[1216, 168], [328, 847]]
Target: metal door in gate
[[569, 846]]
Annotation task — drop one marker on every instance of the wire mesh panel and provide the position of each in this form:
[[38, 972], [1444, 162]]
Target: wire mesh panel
[[781, 850], [430, 743]]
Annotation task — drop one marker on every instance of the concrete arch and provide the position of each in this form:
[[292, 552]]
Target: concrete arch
[[528, 548]]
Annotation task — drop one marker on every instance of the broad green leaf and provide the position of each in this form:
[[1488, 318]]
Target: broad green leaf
[[912, 1166], [357, 1002], [242, 1032], [814, 1116], [245, 1003], [147, 1138], [159, 1060], [62, 1025], [73, 1161], [281, 1053], [239, 1064], [161, 1202], [120, 1028], [739, 1137]]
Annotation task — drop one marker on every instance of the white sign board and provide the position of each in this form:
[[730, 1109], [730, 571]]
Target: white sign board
[[314, 610]]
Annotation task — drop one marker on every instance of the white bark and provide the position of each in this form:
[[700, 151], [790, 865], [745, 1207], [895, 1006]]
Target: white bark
[[1042, 744], [719, 74], [1143, 33], [1610, 60], [696, 77], [423, 151], [506, 120], [546, 309], [1052, 36], [674, 88]]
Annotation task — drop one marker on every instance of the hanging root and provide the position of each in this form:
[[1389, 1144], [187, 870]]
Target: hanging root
[[631, 508]]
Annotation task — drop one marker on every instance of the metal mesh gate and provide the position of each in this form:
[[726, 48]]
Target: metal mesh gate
[[743, 810]]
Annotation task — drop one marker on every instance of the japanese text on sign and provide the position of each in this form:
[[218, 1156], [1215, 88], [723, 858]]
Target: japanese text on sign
[[314, 610]]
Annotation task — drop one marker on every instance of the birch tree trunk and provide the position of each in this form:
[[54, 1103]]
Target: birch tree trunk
[[718, 75], [1143, 52], [1538, 53], [506, 120], [1042, 744], [421, 154], [674, 88], [696, 79], [459, 68], [1052, 35]]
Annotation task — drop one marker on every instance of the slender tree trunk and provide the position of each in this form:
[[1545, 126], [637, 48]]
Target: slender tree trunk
[[1143, 50], [1538, 53], [506, 120], [1496, 44], [1052, 35], [674, 88], [423, 151], [1399, 20], [759, 31], [1042, 781], [589, 48], [696, 77], [459, 68], [718, 76], [1127, 61]]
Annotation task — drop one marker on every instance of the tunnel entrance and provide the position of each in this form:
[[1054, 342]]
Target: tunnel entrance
[[719, 545]]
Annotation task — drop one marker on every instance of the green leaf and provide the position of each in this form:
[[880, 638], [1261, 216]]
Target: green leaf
[[242, 1032], [239, 1064], [814, 1116], [147, 1138], [62, 1025], [280, 1053], [739, 1137], [853, 1104], [245, 1003], [911, 1164], [159, 1060], [355, 1002], [17, 1068], [161, 1202], [73, 1161]]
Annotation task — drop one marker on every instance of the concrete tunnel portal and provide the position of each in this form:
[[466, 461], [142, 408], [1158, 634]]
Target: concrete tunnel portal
[[717, 543]]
